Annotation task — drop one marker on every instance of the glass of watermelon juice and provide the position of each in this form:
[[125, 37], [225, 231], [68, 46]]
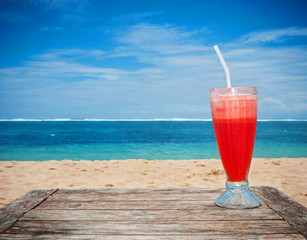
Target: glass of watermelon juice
[[234, 115]]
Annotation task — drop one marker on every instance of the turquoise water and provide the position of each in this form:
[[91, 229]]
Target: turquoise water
[[105, 140]]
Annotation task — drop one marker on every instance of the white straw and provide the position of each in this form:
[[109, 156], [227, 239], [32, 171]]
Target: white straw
[[219, 54]]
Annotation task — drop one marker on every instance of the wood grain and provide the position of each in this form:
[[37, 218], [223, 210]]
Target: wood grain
[[146, 216], [16, 209], [151, 229], [150, 214], [293, 212], [164, 237], [134, 199]]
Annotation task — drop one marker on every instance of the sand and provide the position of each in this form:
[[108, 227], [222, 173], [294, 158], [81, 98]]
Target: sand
[[286, 174]]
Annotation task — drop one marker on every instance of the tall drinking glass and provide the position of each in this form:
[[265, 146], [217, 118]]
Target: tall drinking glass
[[234, 115]]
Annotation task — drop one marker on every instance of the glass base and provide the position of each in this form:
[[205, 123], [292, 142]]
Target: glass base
[[237, 196]]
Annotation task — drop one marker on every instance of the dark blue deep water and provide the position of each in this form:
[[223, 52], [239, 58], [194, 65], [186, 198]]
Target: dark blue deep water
[[105, 140]]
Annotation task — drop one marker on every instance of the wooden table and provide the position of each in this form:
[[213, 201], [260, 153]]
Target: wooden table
[[175, 213]]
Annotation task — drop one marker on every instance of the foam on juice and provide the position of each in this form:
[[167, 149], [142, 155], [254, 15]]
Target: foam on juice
[[234, 106]]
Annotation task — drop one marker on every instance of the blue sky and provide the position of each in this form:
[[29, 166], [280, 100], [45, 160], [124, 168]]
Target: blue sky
[[149, 59]]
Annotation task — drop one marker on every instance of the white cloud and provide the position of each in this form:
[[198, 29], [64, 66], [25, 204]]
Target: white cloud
[[301, 106], [57, 69], [270, 102], [69, 53], [137, 16], [274, 35], [172, 74], [156, 39], [110, 77]]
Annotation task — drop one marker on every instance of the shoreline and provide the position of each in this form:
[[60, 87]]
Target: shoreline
[[288, 175]]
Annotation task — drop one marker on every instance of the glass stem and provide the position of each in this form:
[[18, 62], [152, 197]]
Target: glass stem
[[237, 186]]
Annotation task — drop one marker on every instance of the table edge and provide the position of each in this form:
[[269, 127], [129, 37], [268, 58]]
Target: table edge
[[17, 208], [286, 207]]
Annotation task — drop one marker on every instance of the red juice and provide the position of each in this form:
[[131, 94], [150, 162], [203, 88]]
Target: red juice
[[234, 120]]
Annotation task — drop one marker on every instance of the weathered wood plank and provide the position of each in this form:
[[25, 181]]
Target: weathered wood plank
[[146, 205], [110, 191], [132, 205], [131, 196], [164, 237], [146, 216], [16, 209], [136, 199], [139, 197], [128, 228], [293, 212], [167, 194]]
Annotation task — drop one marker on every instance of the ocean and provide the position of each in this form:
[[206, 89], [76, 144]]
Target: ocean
[[94, 139]]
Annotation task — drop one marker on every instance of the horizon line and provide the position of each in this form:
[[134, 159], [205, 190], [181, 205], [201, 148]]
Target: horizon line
[[132, 119]]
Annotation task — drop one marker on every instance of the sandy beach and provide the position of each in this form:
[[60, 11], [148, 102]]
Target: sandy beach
[[287, 174]]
